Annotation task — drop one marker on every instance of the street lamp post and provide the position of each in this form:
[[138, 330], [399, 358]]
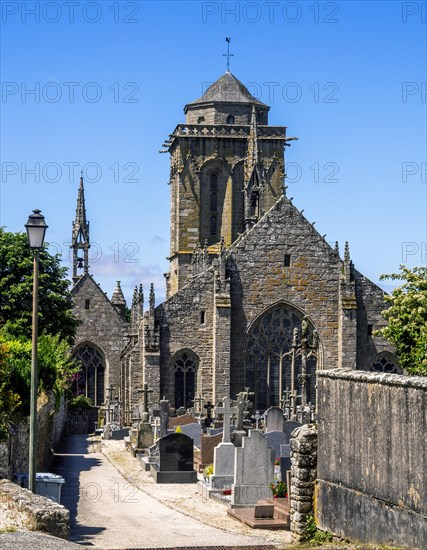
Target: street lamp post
[[36, 229]]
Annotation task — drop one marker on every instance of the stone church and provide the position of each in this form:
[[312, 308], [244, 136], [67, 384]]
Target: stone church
[[256, 297]]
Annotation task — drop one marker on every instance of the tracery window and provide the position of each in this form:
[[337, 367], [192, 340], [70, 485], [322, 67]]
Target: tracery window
[[271, 360], [385, 364], [185, 367], [90, 380], [213, 226]]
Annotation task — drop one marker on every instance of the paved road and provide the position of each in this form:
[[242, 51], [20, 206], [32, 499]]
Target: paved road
[[107, 513]]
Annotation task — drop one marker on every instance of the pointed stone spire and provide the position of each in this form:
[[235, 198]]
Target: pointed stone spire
[[346, 252], [152, 298], [252, 175], [80, 236], [348, 265], [337, 248], [118, 299], [253, 144]]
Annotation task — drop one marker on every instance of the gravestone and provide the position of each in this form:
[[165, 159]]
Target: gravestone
[[175, 463], [208, 419], [119, 434], [275, 440], [253, 471], [285, 461], [181, 411], [164, 417], [224, 452], [288, 427], [180, 420], [194, 431], [274, 419], [207, 448]]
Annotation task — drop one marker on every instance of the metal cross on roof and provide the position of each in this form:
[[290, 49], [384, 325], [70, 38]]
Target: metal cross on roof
[[228, 54]]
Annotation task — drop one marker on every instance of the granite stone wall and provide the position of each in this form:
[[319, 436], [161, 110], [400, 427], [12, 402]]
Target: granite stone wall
[[50, 428], [372, 457], [22, 509]]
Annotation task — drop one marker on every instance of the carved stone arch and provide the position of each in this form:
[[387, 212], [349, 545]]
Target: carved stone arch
[[91, 380], [387, 362], [184, 367], [277, 362]]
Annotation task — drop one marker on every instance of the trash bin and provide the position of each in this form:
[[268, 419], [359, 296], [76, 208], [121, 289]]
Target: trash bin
[[47, 485]]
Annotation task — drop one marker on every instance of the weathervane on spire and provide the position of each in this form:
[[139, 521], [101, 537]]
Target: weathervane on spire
[[228, 54]]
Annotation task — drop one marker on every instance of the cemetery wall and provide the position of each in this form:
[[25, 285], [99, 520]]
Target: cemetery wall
[[50, 428], [372, 457]]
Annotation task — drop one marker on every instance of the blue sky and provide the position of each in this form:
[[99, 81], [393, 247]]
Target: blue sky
[[111, 80]]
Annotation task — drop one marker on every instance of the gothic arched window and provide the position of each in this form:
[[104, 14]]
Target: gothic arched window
[[90, 380], [386, 363], [213, 226], [230, 119], [185, 367], [272, 359]]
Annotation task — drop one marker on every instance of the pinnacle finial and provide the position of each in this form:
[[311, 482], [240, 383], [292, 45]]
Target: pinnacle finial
[[337, 248], [152, 298], [346, 252]]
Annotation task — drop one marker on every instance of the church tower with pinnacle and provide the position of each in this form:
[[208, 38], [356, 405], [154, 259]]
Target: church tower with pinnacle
[[226, 170], [80, 237]]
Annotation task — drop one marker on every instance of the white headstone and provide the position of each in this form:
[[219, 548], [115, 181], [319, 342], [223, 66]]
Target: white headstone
[[274, 419], [253, 470]]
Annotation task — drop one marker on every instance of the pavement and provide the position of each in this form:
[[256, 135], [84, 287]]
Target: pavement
[[115, 505]]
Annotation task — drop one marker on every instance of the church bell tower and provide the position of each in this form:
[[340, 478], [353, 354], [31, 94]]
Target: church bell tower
[[80, 237], [226, 171]]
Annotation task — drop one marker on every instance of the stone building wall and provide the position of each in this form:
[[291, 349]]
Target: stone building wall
[[259, 279], [179, 320], [102, 326], [372, 457]]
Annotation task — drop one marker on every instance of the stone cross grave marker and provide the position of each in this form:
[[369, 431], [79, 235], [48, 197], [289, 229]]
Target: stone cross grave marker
[[145, 391], [257, 419], [226, 410], [209, 407], [164, 416], [156, 426]]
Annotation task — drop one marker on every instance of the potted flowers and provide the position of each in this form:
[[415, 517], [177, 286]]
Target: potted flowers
[[279, 489]]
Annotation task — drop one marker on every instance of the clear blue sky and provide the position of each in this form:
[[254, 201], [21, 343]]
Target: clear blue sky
[[112, 79]]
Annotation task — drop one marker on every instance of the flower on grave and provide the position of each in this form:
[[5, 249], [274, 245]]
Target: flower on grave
[[226, 492], [178, 430], [277, 462], [279, 489]]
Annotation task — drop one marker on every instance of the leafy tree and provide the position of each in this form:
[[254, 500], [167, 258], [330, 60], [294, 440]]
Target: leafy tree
[[407, 319], [9, 399], [55, 366], [16, 280]]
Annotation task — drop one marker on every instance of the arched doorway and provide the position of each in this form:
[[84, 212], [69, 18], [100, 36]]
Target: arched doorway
[[90, 381], [185, 367], [281, 358]]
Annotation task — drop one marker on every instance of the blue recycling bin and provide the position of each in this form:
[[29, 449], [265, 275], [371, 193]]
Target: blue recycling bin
[[47, 485]]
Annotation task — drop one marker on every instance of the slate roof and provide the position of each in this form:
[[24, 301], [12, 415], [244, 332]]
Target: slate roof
[[227, 89]]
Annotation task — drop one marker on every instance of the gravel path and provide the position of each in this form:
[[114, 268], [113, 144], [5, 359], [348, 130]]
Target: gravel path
[[120, 507]]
